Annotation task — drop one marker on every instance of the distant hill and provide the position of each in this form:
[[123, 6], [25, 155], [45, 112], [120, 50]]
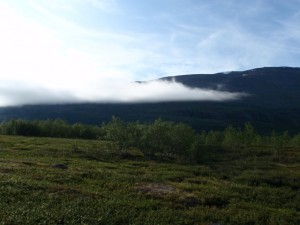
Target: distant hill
[[269, 86], [273, 103]]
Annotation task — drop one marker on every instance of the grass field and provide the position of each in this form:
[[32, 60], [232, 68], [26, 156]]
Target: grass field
[[64, 181]]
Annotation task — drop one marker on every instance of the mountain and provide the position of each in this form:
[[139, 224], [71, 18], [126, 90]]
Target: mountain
[[272, 103], [269, 86]]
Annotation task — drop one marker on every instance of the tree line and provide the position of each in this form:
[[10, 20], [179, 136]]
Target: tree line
[[158, 137], [49, 128]]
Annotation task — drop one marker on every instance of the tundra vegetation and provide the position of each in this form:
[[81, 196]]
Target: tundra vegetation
[[52, 172]]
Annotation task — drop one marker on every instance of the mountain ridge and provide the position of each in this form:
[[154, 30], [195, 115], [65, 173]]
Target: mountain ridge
[[252, 81], [273, 103]]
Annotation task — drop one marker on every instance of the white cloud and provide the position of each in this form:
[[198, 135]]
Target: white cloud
[[20, 93], [108, 6], [105, 5], [39, 67], [155, 91], [53, 56]]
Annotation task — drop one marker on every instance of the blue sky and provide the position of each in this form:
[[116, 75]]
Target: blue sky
[[81, 46]]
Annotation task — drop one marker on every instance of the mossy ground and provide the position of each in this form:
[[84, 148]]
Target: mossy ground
[[104, 186]]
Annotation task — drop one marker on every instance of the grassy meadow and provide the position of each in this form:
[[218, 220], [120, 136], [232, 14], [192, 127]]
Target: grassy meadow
[[72, 181]]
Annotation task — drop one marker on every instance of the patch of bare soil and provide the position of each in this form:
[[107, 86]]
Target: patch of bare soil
[[155, 189]]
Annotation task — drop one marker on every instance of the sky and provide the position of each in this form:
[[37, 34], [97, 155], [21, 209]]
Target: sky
[[61, 51]]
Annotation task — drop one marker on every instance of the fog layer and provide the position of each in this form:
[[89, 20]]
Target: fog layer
[[21, 93]]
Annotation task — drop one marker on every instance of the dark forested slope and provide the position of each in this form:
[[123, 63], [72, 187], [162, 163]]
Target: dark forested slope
[[269, 86], [273, 103]]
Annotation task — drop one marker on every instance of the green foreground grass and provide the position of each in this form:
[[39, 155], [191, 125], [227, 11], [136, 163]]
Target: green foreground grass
[[103, 186]]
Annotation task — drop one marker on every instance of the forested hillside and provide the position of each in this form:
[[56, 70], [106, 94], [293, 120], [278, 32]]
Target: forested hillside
[[271, 103]]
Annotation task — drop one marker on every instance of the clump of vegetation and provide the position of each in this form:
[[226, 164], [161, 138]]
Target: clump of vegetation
[[159, 139], [49, 128]]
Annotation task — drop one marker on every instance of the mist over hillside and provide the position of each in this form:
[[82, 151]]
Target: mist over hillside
[[269, 99], [271, 86]]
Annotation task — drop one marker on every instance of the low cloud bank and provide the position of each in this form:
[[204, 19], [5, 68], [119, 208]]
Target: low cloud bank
[[20, 93]]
